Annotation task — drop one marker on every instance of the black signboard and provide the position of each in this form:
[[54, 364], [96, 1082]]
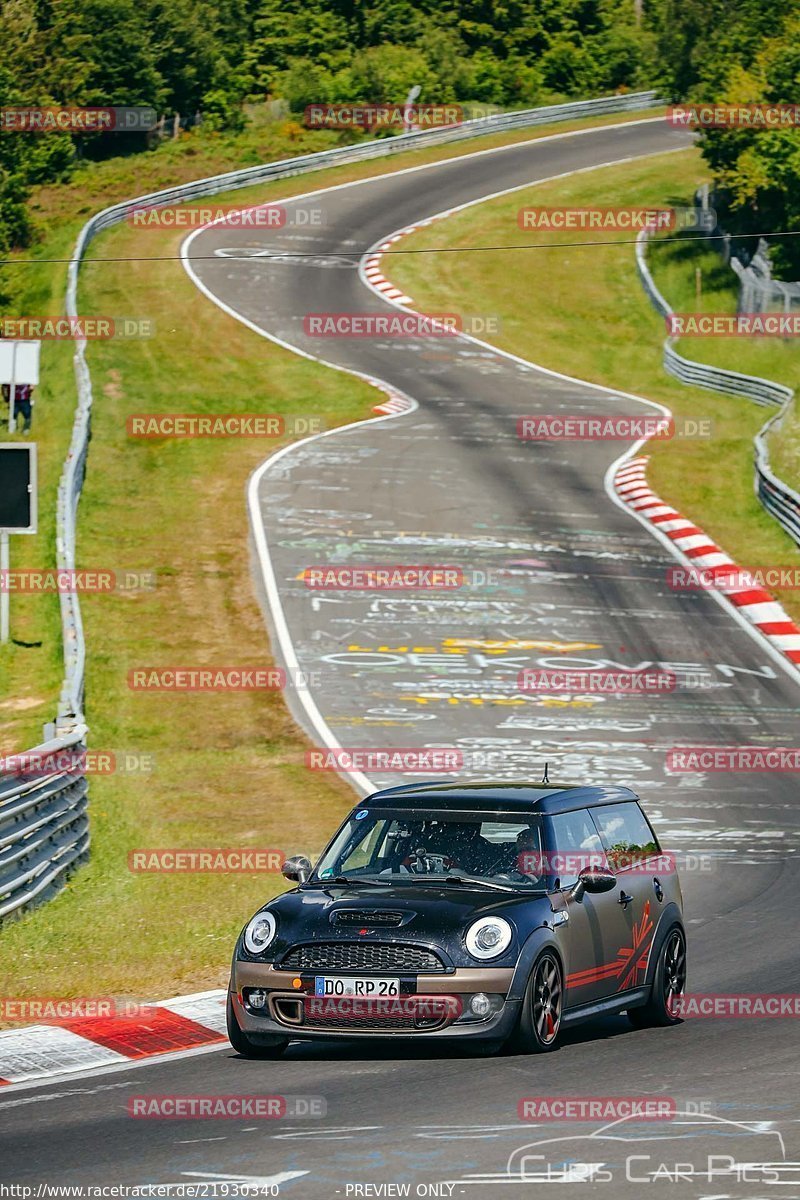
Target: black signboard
[[17, 488]]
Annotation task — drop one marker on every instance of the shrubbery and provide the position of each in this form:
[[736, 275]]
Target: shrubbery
[[212, 55]]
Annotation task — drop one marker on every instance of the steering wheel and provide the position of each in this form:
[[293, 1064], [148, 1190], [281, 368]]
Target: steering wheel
[[412, 861]]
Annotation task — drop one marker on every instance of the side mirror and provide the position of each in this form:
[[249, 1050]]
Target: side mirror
[[297, 869], [594, 880]]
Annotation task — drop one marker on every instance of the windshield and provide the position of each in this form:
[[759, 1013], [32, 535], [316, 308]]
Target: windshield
[[403, 846]]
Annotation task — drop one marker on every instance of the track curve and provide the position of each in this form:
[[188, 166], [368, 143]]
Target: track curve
[[451, 482]]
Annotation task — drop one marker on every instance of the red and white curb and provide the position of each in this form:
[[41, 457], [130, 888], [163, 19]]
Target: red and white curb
[[755, 604], [372, 270], [394, 405], [372, 264], [81, 1043]]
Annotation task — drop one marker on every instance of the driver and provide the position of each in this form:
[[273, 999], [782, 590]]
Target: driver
[[453, 843], [528, 854]]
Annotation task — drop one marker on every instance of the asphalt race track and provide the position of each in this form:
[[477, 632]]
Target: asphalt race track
[[556, 574]]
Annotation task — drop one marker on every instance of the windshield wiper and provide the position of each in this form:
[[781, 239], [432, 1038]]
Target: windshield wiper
[[476, 879], [345, 880]]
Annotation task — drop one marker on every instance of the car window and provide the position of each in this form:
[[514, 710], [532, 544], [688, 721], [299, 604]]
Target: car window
[[626, 834], [420, 842], [574, 844], [364, 852]]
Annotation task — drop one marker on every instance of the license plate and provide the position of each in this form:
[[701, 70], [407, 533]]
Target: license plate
[[332, 985]]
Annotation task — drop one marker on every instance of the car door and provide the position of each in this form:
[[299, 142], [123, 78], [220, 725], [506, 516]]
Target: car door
[[573, 842], [631, 848]]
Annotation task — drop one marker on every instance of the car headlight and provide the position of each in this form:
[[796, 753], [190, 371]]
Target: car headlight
[[260, 932], [488, 937]]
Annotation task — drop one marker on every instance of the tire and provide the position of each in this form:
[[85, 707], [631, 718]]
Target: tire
[[669, 980], [542, 1007], [270, 1047]]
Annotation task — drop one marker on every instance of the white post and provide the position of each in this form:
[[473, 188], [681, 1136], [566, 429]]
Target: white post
[[4, 560], [408, 116], [12, 395]]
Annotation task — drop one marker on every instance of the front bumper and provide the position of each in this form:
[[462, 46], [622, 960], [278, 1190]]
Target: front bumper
[[286, 1015]]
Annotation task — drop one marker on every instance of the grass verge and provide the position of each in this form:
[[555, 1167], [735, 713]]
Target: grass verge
[[675, 266]]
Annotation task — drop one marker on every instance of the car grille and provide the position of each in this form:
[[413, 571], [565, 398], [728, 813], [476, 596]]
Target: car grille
[[361, 956], [371, 917], [374, 1024]]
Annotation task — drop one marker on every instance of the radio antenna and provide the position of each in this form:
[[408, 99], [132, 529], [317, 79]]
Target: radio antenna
[[545, 778]]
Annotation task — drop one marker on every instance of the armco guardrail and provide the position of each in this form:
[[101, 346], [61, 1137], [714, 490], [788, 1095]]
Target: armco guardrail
[[716, 379], [44, 829], [43, 823], [781, 501]]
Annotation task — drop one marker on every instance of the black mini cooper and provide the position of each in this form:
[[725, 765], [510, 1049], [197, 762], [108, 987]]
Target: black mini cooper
[[498, 913]]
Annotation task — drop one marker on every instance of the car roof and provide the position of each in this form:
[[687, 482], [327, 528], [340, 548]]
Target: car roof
[[512, 798]]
